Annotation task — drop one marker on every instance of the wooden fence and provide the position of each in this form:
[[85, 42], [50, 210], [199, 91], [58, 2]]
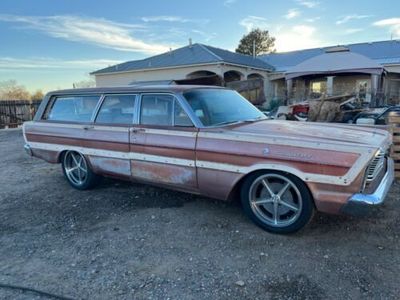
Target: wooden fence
[[394, 121], [252, 89], [15, 112]]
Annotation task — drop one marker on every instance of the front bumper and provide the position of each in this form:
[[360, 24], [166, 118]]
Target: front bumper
[[28, 149], [363, 204]]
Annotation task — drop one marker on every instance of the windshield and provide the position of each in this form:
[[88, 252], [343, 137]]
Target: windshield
[[218, 107]]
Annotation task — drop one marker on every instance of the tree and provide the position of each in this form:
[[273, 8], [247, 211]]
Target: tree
[[84, 84], [264, 43], [11, 90], [38, 95]]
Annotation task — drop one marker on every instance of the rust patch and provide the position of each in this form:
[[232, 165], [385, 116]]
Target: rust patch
[[163, 173], [111, 166]]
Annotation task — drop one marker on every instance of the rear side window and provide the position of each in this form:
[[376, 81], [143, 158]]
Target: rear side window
[[117, 109], [71, 108]]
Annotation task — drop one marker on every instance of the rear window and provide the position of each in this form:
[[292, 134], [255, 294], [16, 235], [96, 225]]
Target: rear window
[[72, 108]]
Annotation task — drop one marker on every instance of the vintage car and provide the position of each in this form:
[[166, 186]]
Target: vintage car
[[211, 141]]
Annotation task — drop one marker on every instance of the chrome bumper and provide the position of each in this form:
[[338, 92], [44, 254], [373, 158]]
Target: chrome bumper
[[28, 149], [362, 204]]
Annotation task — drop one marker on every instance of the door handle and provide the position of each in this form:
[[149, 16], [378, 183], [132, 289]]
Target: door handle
[[137, 130], [87, 127]]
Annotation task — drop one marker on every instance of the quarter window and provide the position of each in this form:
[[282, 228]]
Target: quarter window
[[117, 109], [181, 117], [72, 108]]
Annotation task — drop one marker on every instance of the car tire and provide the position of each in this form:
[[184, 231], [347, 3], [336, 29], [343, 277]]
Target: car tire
[[277, 202], [77, 171]]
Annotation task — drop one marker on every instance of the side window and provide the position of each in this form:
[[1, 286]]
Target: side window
[[181, 117], [71, 108], [117, 109], [156, 110]]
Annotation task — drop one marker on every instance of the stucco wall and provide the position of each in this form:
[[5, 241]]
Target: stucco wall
[[116, 79]]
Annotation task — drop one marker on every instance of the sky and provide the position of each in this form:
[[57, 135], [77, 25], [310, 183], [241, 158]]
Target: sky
[[50, 44]]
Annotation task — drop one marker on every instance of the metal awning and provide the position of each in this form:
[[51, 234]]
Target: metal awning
[[334, 63]]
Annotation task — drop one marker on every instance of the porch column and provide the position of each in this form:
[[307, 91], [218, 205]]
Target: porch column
[[329, 85], [289, 88], [375, 80]]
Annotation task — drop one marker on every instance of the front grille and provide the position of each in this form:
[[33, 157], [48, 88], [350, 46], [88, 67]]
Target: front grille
[[376, 165]]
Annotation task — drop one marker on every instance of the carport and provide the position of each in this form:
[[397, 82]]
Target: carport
[[335, 62]]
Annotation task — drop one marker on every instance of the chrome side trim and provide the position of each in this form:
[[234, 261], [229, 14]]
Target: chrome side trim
[[360, 204]]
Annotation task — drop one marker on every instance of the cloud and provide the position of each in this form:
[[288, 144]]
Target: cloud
[[292, 13], [296, 37], [348, 18], [308, 4], [176, 19], [164, 19], [229, 2], [205, 35], [312, 20], [352, 30], [95, 31], [393, 24], [252, 22], [38, 63]]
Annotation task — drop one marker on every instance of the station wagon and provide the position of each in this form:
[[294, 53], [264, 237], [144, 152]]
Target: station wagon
[[211, 141]]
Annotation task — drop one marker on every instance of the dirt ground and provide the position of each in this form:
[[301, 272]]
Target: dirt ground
[[130, 241]]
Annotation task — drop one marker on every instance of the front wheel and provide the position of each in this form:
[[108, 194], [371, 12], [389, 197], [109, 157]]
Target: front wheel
[[277, 202], [77, 171]]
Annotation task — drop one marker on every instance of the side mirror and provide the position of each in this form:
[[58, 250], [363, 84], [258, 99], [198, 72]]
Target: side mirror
[[365, 121]]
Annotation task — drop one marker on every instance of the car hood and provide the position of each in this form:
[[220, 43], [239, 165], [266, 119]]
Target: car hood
[[331, 133]]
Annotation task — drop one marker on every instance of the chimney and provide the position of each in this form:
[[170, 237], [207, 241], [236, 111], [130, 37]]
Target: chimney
[[190, 42]]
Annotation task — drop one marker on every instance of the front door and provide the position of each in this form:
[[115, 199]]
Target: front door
[[168, 138]]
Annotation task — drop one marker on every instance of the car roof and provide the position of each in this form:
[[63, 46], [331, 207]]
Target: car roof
[[134, 88]]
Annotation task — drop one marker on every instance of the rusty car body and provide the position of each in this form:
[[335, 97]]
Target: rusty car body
[[211, 141]]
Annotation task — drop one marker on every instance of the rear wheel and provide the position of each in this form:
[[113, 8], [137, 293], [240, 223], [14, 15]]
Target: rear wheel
[[77, 171], [277, 202]]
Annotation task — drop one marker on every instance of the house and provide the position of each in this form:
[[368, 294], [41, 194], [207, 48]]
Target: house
[[189, 62], [369, 70]]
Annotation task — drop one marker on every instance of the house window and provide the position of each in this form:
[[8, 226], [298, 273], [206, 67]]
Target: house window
[[318, 87]]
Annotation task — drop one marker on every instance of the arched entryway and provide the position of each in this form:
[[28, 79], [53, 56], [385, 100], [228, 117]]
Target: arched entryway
[[200, 74], [232, 75], [255, 76]]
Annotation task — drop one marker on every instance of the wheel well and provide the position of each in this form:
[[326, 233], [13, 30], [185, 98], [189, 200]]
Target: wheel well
[[235, 192], [61, 155]]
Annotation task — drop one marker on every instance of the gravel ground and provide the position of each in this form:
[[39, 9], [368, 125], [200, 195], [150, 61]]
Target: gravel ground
[[124, 241]]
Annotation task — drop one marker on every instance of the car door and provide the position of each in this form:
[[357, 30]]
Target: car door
[[108, 136], [168, 138]]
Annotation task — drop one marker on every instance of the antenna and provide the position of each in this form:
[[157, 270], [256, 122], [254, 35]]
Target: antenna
[[190, 42]]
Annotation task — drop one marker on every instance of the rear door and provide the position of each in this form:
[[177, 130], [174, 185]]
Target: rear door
[[108, 135], [168, 137]]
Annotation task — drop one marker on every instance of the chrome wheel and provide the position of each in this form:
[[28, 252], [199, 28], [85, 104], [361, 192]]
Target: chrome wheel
[[275, 200], [75, 167]]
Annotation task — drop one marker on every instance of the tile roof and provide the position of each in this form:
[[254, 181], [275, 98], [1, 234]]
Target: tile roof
[[188, 55], [383, 52]]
